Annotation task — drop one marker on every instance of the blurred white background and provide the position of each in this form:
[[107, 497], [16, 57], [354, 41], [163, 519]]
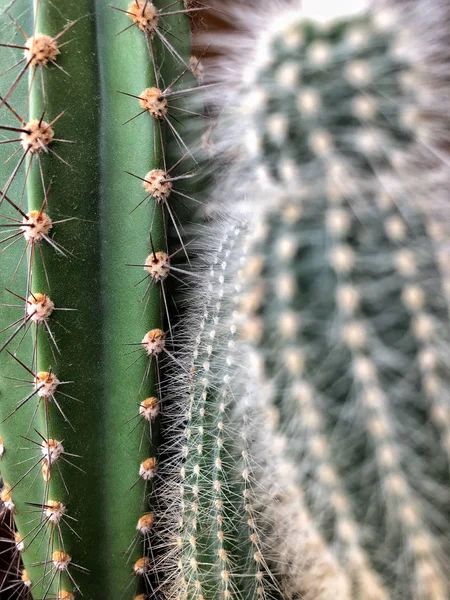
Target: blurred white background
[[323, 10]]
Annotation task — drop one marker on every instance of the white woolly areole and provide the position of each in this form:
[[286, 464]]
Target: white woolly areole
[[157, 264], [52, 450], [36, 136], [36, 225], [6, 498], [54, 511], [144, 14], [46, 384], [20, 544], [147, 470], [40, 49], [157, 185], [25, 579], [61, 560], [153, 100], [149, 408], [154, 342], [39, 307], [145, 523], [141, 566]]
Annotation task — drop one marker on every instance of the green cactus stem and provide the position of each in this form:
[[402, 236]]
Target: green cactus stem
[[84, 324]]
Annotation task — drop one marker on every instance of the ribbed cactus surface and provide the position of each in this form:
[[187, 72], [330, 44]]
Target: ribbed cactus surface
[[82, 343], [345, 304], [318, 93], [353, 348], [217, 537]]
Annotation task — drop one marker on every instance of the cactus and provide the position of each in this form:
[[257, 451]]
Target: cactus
[[309, 460], [216, 535], [80, 430], [345, 301]]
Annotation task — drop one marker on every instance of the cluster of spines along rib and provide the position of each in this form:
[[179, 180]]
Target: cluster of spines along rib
[[96, 512], [346, 308], [210, 485]]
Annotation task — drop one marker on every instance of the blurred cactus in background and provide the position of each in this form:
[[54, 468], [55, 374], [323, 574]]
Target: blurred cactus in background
[[334, 136]]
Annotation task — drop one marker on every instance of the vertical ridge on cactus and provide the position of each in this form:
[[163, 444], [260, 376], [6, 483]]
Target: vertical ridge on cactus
[[86, 460]]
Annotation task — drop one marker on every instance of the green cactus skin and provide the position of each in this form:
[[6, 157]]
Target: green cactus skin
[[346, 308], [106, 497]]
